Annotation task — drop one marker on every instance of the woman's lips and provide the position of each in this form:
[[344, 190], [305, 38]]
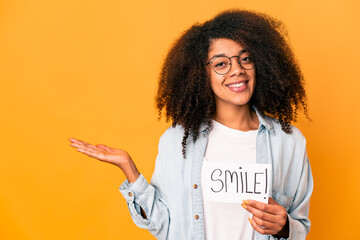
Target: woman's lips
[[238, 86]]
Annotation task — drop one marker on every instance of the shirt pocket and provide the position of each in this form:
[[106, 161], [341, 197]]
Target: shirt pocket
[[282, 199]]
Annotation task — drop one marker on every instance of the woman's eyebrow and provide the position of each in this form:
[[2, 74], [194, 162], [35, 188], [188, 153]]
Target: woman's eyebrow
[[224, 55], [218, 55]]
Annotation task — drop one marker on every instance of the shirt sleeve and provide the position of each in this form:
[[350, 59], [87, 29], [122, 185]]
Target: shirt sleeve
[[298, 213], [141, 194]]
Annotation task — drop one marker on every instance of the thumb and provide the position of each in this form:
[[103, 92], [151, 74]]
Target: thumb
[[272, 201]]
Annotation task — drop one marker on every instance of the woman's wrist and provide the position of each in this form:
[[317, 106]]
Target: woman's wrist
[[130, 170]]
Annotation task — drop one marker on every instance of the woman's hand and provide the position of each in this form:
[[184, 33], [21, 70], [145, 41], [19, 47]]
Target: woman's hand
[[107, 154], [270, 219]]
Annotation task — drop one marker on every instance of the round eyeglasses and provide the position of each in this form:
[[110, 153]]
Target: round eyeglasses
[[222, 64]]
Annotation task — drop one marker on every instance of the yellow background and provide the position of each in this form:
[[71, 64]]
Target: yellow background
[[89, 69]]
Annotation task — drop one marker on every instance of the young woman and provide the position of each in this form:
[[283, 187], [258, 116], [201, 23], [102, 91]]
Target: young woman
[[231, 87]]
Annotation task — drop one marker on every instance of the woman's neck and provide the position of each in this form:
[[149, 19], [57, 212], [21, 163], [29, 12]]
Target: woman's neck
[[237, 117]]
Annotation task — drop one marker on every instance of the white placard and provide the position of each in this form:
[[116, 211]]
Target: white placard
[[233, 182]]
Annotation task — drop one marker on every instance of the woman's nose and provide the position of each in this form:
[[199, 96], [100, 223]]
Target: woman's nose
[[236, 68]]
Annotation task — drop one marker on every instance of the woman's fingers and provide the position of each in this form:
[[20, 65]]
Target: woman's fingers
[[102, 152], [261, 230], [263, 223], [75, 140], [267, 218], [262, 214], [273, 208], [107, 148], [86, 147], [102, 146], [94, 154], [89, 149], [80, 143], [261, 210]]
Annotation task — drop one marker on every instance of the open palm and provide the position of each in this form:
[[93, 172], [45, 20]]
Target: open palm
[[101, 152]]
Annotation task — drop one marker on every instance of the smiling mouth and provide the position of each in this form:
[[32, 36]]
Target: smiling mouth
[[237, 85]]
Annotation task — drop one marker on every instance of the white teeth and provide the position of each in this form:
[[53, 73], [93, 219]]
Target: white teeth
[[237, 84]]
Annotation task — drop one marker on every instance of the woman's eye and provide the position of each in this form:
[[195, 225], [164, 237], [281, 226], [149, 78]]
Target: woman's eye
[[246, 60], [220, 64]]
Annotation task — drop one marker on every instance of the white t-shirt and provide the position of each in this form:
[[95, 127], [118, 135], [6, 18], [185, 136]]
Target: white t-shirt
[[228, 220]]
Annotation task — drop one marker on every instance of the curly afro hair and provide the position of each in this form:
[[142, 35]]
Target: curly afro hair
[[184, 90]]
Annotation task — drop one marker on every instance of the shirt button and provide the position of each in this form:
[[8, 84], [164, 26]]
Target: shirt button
[[130, 194], [195, 186], [196, 217]]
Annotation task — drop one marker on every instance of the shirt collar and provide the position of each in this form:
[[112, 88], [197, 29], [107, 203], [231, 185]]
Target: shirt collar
[[264, 121]]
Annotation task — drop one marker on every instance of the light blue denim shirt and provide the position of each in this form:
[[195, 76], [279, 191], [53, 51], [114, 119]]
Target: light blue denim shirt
[[173, 200]]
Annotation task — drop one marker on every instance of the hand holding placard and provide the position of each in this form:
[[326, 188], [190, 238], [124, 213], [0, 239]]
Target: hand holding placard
[[268, 218]]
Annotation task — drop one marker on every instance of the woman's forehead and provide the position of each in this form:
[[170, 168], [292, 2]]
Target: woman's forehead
[[224, 46]]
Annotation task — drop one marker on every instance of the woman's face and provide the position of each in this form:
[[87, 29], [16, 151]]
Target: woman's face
[[236, 86]]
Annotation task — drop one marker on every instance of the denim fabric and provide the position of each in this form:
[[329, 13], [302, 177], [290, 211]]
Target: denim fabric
[[173, 203]]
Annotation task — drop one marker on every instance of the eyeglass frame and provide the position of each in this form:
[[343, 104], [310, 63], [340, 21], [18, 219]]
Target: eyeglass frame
[[216, 56]]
